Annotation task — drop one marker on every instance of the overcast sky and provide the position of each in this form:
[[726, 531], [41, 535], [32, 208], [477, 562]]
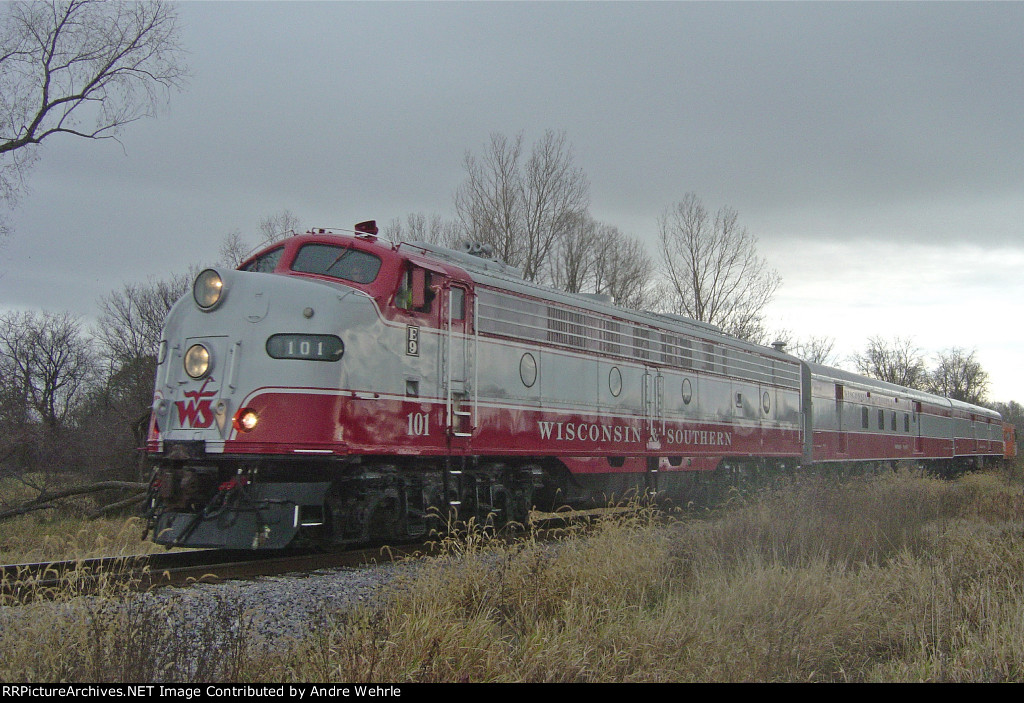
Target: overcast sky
[[876, 150]]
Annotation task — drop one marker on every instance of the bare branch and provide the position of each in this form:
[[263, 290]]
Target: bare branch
[[420, 228], [712, 269], [85, 68], [276, 226], [959, 375], [898, 361], [47, 499], [522, 210]]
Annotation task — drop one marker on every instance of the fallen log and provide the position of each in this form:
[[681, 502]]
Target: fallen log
[[47, 499]]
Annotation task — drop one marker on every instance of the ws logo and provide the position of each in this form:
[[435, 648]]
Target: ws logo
[[197, 411]]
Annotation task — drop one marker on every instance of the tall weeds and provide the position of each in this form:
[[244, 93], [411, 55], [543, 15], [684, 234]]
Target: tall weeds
[[897, 577], [88, 630], [40, 538]]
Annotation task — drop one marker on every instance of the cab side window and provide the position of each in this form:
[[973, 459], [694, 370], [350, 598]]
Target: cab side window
[[414, 292]]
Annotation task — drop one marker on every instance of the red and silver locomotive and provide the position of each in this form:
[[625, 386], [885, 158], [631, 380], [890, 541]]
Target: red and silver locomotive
[[341, 389]]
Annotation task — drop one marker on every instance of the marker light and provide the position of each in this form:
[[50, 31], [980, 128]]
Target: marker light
[[245, 420], [208, 289]]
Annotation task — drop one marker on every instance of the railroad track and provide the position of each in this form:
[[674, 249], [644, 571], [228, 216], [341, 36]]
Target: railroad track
[[22, 583]]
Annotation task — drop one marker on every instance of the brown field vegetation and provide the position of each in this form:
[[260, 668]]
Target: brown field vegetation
[[897, 577], [63, 534]]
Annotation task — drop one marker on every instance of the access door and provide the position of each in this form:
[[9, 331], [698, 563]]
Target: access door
[[654, 406], [458, 362]]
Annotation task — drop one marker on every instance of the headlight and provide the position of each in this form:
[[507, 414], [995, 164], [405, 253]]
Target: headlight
[[197, 361], [208, 289]]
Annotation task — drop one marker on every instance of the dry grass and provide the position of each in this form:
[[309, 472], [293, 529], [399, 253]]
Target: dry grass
[[63, 534], [891, 578], [38, 538], [86, 630], [116, 638]]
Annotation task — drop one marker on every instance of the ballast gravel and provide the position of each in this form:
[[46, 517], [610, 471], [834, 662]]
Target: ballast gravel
[[273, 607], [203, 619]]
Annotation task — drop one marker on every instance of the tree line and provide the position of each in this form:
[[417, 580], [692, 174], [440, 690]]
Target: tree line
[[77, 398]]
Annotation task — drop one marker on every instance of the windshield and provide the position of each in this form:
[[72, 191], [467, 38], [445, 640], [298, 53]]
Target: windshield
[[337, 262], [265, 263]]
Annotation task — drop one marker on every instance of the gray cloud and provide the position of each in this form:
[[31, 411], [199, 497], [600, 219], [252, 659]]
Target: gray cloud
[[845, 122]]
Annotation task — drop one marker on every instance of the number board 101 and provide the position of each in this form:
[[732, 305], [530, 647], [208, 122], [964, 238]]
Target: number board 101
[[311, 347]]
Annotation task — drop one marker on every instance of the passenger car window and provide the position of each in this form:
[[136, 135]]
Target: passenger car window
[[337, 262]]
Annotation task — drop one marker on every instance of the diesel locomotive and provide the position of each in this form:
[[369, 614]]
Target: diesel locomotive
[[339, 389]]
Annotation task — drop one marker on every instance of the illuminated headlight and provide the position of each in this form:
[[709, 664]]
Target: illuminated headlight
[[208, 289], [245, 420], [197, 361]]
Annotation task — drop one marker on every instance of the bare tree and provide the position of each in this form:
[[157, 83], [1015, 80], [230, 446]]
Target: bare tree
[[116, 412], [959, 375], [277, 226], [522, 209], [63, 62], [814, 349], [594, 257], [48, 359], [623, 269], [46, 369], [132, 318], [572, 261], [233, 249], [420, 228], [898, 361], [712, 269]]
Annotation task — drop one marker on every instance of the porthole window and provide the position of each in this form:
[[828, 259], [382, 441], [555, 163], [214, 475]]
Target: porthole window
[[766, 403], [528, 370], [615, 381], [687, 391]]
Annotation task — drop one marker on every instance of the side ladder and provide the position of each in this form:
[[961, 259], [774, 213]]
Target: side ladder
[[461, 346]]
